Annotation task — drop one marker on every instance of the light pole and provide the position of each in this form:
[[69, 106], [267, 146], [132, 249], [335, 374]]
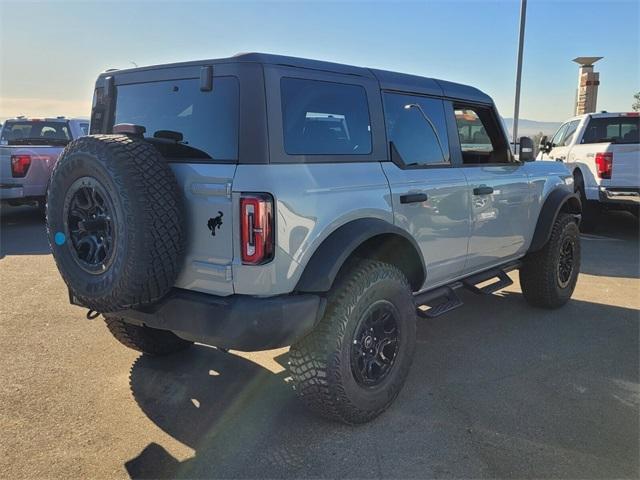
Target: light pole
[[516, 110]]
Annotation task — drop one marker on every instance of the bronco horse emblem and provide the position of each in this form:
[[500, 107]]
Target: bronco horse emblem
[[215, 222]]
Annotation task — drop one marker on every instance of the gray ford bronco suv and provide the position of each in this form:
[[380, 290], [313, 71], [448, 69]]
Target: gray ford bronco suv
[[261, 201]]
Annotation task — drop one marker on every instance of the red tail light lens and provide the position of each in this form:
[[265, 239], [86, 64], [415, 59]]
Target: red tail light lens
[[604, 164], [20, 165], [256, 228]]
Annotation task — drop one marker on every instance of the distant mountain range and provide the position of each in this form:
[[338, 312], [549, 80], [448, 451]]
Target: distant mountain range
[[529, 128]]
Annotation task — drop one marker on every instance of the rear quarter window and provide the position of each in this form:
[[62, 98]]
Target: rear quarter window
[[324, 118], [183, 121]]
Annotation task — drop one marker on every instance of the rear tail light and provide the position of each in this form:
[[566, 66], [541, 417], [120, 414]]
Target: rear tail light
[[20, 165], [604, 163], [256, 228]]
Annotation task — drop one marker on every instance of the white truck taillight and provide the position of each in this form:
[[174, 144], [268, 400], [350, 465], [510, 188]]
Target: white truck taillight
[[256, 228], [20, 165], [604, 164]]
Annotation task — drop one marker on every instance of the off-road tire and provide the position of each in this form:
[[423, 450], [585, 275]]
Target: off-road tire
[[539, 273], [320, 363], [150, 341], [147, 217]]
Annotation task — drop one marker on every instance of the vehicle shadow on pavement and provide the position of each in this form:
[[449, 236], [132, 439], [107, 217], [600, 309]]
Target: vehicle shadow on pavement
[[22, 232], [516, 392], [611, 250]]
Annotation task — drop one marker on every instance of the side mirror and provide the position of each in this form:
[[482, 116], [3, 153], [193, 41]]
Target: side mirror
[[525, 151], [543, 146]]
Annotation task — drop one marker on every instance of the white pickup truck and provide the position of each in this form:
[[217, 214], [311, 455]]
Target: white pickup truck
[[603, 152], [29, 149]]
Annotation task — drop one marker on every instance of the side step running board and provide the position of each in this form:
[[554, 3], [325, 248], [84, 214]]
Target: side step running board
[[437, 302], [441, 300], [500, 274]]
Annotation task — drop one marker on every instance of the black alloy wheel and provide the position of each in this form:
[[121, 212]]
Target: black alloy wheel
[[88, 213], [566, 262], [375, 344]]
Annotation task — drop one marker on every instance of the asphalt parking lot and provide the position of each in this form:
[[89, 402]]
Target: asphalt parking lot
[[497, 389]]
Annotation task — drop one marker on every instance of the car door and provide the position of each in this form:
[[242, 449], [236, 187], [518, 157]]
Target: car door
[[498, 188], [429, 196], [559, 151]]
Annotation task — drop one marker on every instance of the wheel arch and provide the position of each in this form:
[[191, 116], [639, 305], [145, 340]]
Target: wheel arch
[[368, 238], [559, 200]]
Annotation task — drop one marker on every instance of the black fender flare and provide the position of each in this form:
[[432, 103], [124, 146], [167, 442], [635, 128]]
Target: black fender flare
[[558, 200], [326, 261]]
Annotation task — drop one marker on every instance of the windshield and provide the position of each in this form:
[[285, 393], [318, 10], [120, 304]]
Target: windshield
[[34, 132]]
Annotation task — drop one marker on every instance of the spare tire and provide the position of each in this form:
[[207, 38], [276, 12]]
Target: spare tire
[[115, 222]]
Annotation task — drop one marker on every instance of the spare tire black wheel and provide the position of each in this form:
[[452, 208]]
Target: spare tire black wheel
[[115, 222]]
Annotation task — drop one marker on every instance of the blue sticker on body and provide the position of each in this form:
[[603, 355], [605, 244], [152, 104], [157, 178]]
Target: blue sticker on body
[[59, 238]]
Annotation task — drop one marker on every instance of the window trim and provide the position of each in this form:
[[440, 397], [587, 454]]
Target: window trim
[[447, 163]]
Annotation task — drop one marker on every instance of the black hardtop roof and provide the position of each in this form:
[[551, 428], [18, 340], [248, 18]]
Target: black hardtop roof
[[388, 80]]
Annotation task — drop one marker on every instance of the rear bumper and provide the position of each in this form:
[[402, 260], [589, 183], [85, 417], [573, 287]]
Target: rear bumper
[[622, 196], [17, 191], [240, 322], [11, 191]]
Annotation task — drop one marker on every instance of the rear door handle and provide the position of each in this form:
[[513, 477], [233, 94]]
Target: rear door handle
[[413, 198], [483, 191]]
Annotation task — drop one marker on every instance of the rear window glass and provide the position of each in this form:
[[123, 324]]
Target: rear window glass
[[612, 129], [35, 133], [325, 118], [183, 121]]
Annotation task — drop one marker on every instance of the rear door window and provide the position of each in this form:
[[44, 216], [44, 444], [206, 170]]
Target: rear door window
[[417, 128], [183, 121], [324, 118], [612, 129]]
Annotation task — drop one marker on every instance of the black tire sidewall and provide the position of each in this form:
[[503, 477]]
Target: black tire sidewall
[[74, 167], [569, 229], [373, 399]]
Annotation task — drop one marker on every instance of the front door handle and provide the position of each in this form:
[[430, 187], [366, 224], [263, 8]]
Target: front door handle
[[483, 191], [413, 198]]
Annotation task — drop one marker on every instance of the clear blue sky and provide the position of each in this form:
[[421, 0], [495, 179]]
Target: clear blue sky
[[52, 51]]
